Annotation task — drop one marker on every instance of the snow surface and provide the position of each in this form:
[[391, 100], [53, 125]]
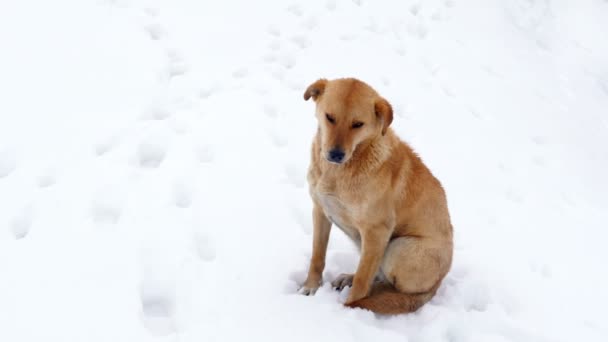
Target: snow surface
[[153, 158]]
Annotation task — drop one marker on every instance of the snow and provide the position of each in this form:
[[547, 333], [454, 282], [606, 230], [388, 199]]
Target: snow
[[7, 163], [153, 157]]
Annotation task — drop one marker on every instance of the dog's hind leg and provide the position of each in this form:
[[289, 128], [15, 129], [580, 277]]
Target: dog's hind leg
[[413, 264]]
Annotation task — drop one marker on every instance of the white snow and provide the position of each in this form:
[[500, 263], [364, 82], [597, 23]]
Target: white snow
[[153, 158], [7, 163]]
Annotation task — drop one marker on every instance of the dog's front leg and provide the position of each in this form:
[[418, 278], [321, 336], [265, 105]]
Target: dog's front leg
[[321, 228], [373, 244]]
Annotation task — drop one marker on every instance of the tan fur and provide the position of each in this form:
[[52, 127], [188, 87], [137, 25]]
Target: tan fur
[[382, 196]]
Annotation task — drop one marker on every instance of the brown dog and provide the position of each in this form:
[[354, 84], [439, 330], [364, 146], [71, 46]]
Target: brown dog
[[372, 185]]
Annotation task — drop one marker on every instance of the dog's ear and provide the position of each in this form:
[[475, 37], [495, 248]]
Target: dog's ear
[[384, 112], [315, 89]]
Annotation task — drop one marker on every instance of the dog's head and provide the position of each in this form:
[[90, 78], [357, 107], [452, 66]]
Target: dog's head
[[350, 113]]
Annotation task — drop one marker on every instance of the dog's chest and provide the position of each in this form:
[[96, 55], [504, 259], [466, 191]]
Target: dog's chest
[[340, 206], [334, 208], [340, 215]]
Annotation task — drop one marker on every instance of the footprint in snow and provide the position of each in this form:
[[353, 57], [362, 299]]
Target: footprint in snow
[[476, 298], [514, 196], [294, 84], [204, 247], [419, 31], [310, 23], [156, 112], [447, 90], [347, 37], [457, 333], [158, 306], [105, 145], [372, 26], [204, 154], [155, 31], [269, 58], [538, 140], [278, 139], [287, 60], [175, 69], [182, 194], [21, 223], [173, 55], [150, 11], [151, 153], [8, 163], [278, 75], [240, 73], [302, 218], [270, 111], [300, 41], [437, 16], [208, 90], [106, 209], [538, 161], [541, 268], [295, 10], [415, 9], [262, 89], [178, 126], [295, 175], [491, 71], [400, 50], [275, 45], [46, 179], [603, 84], [273, 31], [475, 112]]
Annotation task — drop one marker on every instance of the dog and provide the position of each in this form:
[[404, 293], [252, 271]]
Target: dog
[[366, 181]]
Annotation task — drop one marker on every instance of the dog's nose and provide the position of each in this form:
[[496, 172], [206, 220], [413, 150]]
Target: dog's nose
[[336, 155]]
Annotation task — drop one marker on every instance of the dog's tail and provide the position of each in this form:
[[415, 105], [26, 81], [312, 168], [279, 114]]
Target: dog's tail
[[387, 300]]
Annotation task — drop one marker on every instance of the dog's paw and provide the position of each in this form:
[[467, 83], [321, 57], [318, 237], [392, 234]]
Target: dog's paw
[[342, 281], [307, 291]]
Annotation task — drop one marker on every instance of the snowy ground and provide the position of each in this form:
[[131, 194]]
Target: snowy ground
[[153, 158]]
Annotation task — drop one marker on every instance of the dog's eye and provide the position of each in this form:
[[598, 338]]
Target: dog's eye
[[330, 118], [357, 124]]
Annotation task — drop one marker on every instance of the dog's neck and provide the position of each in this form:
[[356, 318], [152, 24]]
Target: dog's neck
[[371, 154]]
